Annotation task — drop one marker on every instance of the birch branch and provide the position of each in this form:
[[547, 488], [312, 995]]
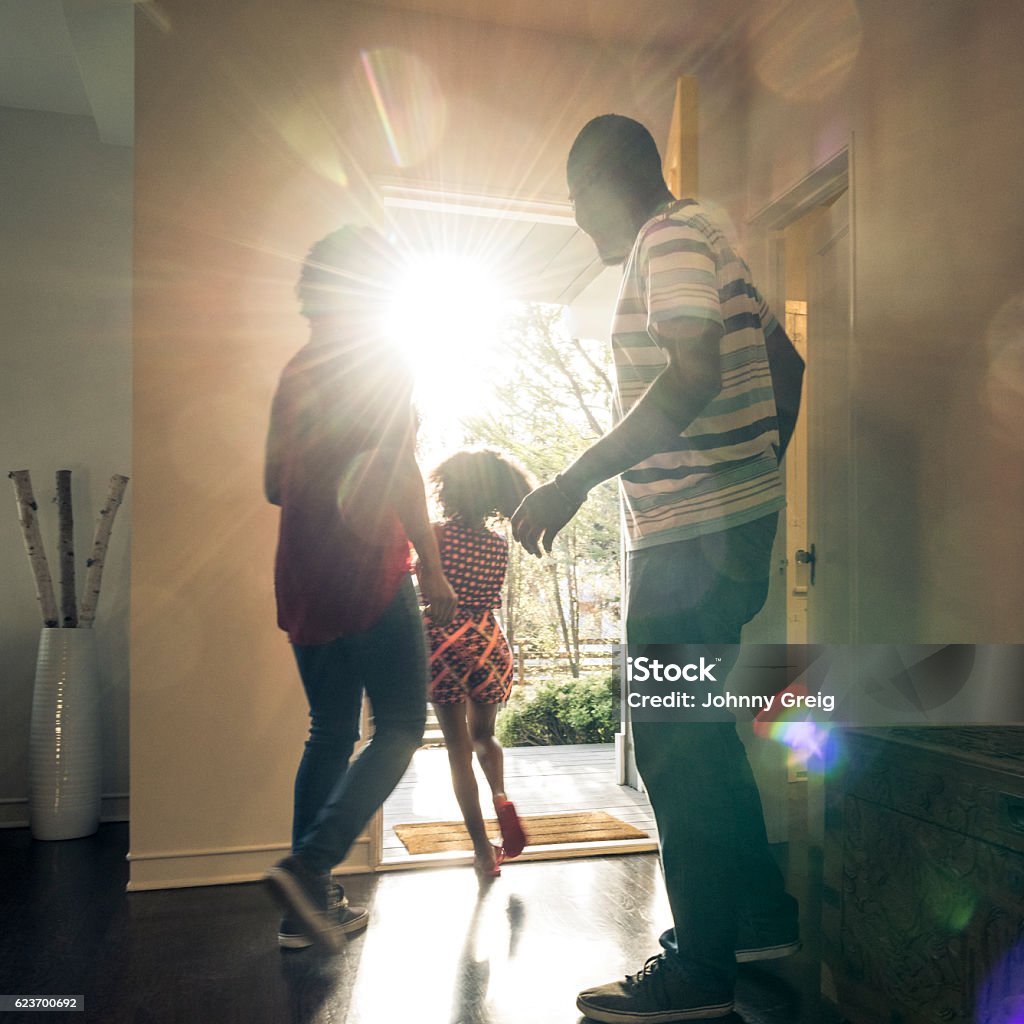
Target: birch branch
[[27, 508], [574, 386], [66, 546], [94, 566], [605, 380]]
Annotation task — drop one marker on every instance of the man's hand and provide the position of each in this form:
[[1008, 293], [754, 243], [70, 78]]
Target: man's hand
[[438, 596], [541, 515]]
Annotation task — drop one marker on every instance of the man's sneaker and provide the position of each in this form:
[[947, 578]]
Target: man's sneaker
[[658, 994], [756, 943], [311, 903], [291, 936], [513, 838], [346, 919]]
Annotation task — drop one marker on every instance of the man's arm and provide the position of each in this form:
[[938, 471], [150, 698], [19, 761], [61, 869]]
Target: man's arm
[[690, 380]]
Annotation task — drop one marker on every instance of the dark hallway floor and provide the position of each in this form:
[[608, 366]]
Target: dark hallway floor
[[437, 951]]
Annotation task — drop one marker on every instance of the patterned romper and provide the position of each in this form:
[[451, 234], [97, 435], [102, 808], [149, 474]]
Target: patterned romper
[[470, 657]]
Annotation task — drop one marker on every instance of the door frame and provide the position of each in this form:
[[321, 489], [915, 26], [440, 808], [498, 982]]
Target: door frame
[[825, 183]]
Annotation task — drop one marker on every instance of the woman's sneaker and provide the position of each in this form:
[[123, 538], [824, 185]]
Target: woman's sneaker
[[347, 919], [660, 993], [314, 907]]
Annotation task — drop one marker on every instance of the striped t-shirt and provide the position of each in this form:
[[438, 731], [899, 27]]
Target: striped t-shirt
[[724, 470]]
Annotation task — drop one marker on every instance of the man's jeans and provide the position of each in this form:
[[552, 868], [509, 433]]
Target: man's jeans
[[714, 848], [334, 799]]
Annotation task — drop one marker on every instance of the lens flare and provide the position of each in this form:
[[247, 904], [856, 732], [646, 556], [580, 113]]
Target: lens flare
[[403, 94], [309, 134], [791, 727], [806, 741], [946, 898], [805, 48], [814, 746], [382, 110], [1001, 996]]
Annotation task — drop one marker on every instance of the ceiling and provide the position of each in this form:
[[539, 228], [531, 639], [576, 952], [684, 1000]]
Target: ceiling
[[70, 57], [540, 254], [534, 248], [673, 24], [76, 57]]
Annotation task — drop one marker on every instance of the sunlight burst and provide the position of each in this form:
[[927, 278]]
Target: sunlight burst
[[445, 315]]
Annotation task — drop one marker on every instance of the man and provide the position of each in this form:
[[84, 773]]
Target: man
[[340, 464], [700, 431]]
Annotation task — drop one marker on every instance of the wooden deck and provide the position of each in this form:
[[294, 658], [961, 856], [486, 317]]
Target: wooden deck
[[540, 780]]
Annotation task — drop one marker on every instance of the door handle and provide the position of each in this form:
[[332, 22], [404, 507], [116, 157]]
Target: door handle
[[807, 558]]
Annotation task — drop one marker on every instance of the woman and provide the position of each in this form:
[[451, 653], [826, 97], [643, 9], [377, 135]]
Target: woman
[[340, 464]]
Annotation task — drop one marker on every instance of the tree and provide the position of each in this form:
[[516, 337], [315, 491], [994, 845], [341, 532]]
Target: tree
[[551, 402]]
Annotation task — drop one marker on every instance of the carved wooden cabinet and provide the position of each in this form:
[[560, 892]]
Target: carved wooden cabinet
[[923, 905]]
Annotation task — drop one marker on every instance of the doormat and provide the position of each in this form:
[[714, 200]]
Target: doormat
[[541, 830]]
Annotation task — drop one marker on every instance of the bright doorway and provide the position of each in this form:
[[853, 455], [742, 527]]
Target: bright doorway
[[810, 284], [535, 250]]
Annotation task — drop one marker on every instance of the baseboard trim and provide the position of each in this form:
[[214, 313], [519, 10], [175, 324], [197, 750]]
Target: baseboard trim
[[14, 810], [187, 869]]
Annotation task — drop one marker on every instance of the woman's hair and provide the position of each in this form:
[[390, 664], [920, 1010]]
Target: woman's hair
[[352, 264], [479, 483]]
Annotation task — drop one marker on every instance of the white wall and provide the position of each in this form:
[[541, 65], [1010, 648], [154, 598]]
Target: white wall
[[65, 391], [242, 130], [930, 92], [244, 121]]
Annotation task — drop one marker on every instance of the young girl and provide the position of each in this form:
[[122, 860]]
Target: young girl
[[470, 660]]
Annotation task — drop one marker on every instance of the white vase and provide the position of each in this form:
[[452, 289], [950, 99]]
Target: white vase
[[65, 755]]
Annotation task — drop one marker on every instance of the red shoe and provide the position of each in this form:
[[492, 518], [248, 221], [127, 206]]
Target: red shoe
[[512, 835]]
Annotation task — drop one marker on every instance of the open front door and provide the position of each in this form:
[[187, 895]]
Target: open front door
[[815, 284], [828, 558], [809, 281]]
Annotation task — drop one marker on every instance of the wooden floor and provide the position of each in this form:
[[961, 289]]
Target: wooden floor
[[540, 780], [438, 949]]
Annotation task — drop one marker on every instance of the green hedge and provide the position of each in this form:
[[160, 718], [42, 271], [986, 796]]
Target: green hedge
[[582, 710]]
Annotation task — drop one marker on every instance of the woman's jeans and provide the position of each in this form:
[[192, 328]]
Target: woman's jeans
[[718, 868], [334, 800]]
